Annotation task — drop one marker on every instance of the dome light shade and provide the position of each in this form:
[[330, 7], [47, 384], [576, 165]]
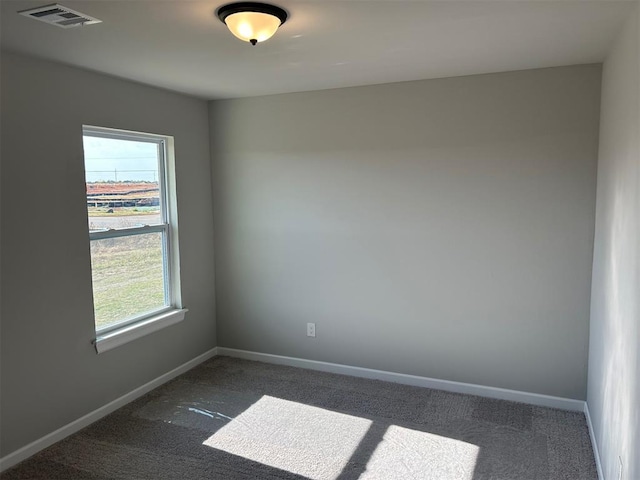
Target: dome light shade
[[252, 22]]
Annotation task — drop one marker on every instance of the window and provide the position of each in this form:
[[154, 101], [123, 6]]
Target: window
[[132, 234]]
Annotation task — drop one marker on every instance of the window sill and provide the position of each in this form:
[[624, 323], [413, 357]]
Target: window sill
[[123, 335]]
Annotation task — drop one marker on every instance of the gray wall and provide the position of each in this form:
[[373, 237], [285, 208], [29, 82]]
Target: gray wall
[[51, 374], [614, 358], [441, 228]]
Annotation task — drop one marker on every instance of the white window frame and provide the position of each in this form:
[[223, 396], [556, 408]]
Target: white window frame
[[134, 327]]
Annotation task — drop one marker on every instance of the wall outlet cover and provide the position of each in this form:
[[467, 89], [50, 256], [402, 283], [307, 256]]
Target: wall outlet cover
[[311, 329]]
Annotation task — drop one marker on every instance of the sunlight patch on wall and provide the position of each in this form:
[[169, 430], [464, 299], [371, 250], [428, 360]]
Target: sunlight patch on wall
[[294, 437]]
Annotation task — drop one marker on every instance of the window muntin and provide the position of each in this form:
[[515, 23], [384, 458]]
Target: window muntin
[[129, 225]]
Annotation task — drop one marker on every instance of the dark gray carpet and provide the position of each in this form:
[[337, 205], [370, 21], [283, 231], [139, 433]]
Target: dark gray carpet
[[236, 419]]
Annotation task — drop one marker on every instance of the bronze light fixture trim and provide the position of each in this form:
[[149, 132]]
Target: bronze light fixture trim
[[252, 22]]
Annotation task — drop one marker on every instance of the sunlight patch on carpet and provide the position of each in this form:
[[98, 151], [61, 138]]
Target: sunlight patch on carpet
[[298, 438], [406, 453]]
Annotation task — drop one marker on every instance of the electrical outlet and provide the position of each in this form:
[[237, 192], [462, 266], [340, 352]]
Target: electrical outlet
[[620, 471], [311, 329]]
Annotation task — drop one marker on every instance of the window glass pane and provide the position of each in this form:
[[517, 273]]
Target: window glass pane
[[128, 277], [122, 179]]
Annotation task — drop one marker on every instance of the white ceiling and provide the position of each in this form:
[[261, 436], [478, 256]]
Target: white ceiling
[[182, 46]]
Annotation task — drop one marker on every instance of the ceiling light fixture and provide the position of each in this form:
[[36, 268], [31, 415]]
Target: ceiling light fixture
[[252, 22]]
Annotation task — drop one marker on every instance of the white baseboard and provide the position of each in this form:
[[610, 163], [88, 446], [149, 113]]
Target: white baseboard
[[447, 385], [77, 425], [594, 443]]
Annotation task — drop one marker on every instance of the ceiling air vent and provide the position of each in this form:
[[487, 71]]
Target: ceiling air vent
[[56, 14]]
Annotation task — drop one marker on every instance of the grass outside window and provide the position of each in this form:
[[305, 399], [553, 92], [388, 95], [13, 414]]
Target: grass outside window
[[128, 277]]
